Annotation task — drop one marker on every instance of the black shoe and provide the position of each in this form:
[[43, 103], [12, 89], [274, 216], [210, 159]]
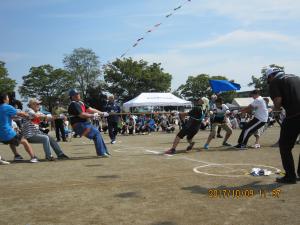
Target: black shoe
[[286, 180], [240, 146], [190, 147], [50, 158], [18, 158], [62, 157], [219, 136], [171, 151]]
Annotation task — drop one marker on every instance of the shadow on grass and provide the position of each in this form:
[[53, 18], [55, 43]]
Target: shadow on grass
[[164, 223], [108, 176], [197, 189], [128, 195]]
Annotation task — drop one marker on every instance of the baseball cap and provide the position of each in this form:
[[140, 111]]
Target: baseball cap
[[272, 70], [73, 92]]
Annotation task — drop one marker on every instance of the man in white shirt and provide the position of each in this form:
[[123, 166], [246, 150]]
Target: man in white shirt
[[260, 118]]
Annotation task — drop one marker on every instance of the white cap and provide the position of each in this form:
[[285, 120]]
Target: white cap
[[272, 70]]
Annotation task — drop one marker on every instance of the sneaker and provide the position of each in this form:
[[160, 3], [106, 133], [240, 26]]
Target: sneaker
[[241, 146], [286, 180], [219, 136], [190, 147], [226, 144], [256, 146], [18, 158], [206, 146], [171, 151], [113, 142], [62, 157], [50, 158], [34, 160], [3, 162], [105, 155]]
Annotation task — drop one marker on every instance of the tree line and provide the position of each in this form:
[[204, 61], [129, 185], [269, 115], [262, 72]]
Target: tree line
[[125, 78]]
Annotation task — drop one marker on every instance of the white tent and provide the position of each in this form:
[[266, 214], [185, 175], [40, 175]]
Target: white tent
[[244, 102], [155, 99]]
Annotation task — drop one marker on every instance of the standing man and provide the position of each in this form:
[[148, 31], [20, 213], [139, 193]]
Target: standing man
[[285, 92], [80, 114], [260, 119], [58, 113], [112, 119]]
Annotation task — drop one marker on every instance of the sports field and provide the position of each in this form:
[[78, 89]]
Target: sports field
[[139, 185]]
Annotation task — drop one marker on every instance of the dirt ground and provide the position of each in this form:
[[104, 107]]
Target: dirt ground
[[138, 185]]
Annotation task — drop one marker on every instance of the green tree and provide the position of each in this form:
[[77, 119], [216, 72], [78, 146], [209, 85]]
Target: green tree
[[46, 83], [261, 82], [127, 78], [195, 87], [84, 66], [6, 84], [198, 86]]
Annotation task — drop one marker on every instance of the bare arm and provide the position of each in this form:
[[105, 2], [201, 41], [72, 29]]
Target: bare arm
[[248, 109], [277, 103]]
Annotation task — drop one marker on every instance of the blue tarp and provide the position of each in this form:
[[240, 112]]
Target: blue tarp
[[218, 86]]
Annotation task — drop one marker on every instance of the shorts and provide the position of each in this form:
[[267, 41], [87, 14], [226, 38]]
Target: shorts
[[16, 140], [190, 130]]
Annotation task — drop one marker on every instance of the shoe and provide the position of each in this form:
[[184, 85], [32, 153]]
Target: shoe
[[190, 147], [256, 146], [286, 180], [171, 151], [206, 146], [65, 140], [226, 144], [219, 136], [105, 155], [50, 158], [113, 142], [3, 162], [18, 158], [34, 160], [62, 157], [241, 147]]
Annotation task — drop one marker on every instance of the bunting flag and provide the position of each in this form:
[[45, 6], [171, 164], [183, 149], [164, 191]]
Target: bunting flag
[[156, 26], [218, 86]]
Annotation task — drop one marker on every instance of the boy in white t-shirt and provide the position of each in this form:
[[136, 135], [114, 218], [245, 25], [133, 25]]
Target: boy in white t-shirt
[[260, 118], [219, 118]]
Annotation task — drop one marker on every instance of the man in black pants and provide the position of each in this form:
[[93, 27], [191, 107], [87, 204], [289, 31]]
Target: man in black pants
[[285, 92], [260, 119], [112, 119], [59, 122], [191, 128]]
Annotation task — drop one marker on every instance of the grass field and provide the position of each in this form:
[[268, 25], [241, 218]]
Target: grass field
[[139, 185]]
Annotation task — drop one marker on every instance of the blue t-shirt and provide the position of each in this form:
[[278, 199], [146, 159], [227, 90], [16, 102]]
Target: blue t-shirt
[[6, 130]]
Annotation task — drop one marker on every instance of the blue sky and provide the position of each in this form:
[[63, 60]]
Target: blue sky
[[235, 38]]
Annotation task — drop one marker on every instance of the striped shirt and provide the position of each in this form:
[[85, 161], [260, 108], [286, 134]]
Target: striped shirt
[[31, 124]]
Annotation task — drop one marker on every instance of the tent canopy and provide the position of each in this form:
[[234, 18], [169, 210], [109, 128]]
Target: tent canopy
[[155, 99], [244, 102]]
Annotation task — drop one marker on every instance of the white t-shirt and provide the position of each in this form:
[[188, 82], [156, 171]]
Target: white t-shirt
[[260, 108]]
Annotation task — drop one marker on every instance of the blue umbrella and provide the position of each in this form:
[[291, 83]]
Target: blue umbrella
[[218, 86]]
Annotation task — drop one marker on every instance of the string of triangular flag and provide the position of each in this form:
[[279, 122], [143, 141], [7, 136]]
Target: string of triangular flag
[[156, 26]]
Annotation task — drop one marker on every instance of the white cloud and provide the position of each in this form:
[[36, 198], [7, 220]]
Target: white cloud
[[248, 11], [242, 36]]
